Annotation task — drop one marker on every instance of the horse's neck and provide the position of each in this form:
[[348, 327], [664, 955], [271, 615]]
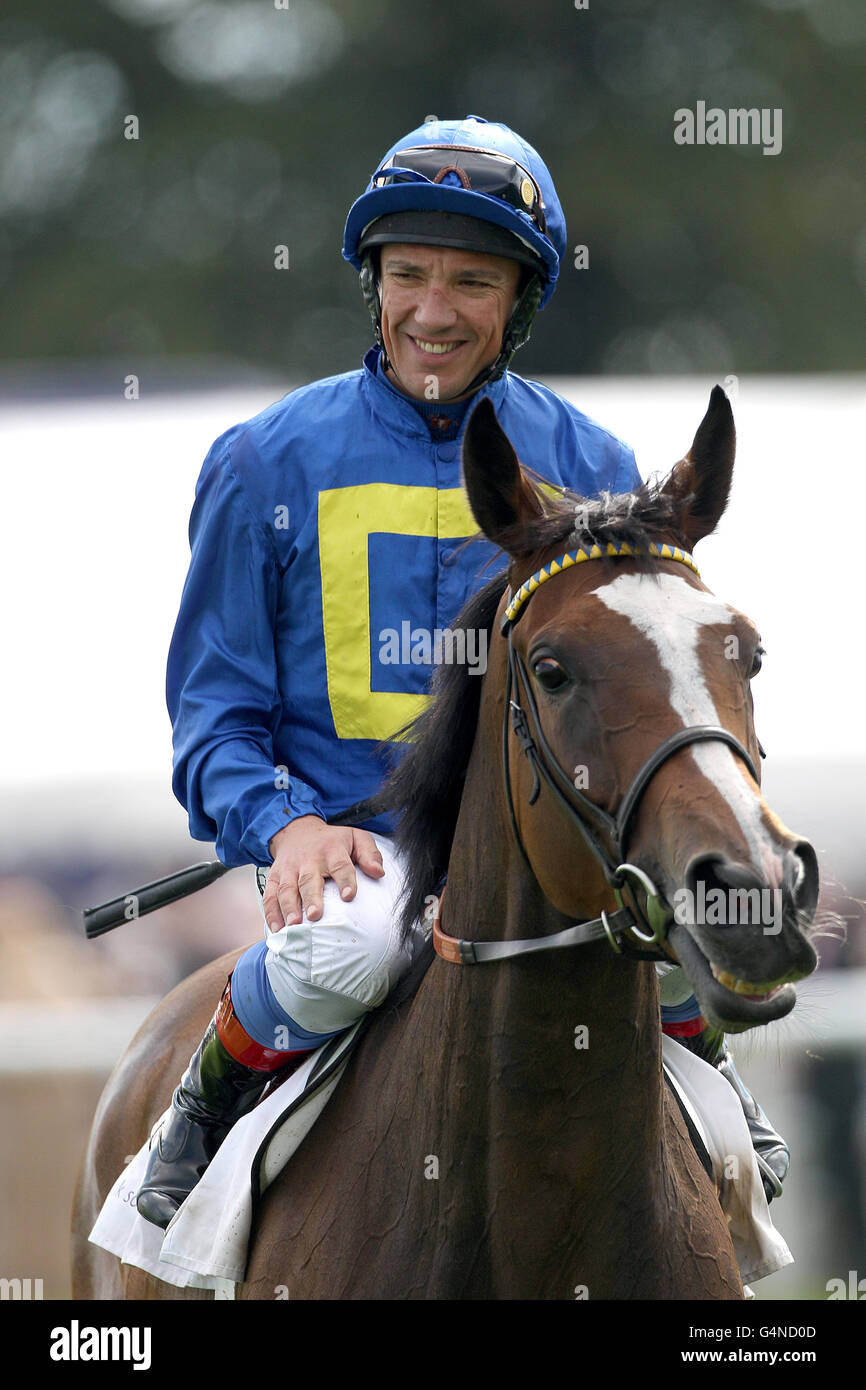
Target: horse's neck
[[581, 1023], [556, 1069]]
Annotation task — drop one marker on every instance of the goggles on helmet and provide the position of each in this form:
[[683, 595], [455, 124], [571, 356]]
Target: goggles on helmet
[[482, 171]]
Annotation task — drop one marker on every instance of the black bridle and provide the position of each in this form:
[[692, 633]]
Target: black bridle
[[606, 835]]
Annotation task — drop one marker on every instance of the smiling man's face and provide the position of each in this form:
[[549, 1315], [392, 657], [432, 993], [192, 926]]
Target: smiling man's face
[[443, 315]]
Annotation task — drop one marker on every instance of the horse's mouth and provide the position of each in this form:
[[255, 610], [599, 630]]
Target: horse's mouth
[[746, 987], [727, 1001]]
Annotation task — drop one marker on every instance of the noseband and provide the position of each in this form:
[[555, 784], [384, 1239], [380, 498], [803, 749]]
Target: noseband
[[605, 834]]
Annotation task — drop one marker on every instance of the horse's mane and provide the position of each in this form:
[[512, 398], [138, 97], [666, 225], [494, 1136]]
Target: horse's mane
[[427, 785], [636, 518]]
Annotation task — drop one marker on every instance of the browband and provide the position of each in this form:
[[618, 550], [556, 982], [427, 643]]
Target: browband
[[579, 557]]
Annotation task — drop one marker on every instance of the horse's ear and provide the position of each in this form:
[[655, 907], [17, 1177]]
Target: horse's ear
[[501, 498], [703, 478]]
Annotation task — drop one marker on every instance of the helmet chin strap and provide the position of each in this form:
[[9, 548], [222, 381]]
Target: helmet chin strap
[[370, 291], [516, 331], [515, 335]]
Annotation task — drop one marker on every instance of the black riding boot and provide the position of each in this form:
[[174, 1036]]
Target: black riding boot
[[216, 1090]]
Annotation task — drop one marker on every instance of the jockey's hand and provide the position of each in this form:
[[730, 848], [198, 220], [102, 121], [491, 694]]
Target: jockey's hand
[[305, 853]]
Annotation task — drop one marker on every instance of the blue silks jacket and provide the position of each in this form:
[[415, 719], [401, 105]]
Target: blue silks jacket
[[326, 552]]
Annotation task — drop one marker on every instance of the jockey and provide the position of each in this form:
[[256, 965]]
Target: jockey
[[326, 553]]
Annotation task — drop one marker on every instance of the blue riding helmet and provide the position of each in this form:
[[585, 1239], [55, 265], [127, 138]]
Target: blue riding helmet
[[540, 230], [472, 184]]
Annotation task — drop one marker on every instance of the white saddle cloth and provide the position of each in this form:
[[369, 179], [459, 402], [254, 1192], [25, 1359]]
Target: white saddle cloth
[[718, 1116], [205, 1245]]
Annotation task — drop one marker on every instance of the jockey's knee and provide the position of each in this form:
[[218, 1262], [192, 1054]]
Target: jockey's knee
[[326, 973]]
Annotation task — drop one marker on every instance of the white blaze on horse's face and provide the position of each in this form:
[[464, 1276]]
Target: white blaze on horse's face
[[671, 612]]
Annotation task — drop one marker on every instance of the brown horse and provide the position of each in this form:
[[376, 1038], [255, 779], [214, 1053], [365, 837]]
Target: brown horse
[[473, 1150]]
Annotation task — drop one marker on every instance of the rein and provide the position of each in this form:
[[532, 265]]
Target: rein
[[604, 834]]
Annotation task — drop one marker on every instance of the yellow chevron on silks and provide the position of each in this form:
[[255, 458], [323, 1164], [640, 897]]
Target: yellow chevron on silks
[[347, 516]]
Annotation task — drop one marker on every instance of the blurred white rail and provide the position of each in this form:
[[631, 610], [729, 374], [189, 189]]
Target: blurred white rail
[[68, 1035]]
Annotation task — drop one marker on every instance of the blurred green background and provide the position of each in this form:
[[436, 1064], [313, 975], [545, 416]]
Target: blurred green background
[[258, 126]]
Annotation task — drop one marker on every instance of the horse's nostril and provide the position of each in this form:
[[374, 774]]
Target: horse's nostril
[[713, 871], [722, 893], [801, 878]]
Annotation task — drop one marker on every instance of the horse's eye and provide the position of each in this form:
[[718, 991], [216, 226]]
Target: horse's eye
[[548, 673], [757, 661]]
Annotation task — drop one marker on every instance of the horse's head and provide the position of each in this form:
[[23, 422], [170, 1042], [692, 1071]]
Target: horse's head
[[618, 658]]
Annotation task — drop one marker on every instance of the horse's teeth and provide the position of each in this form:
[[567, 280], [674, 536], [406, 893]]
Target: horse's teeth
[[737, 986]]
